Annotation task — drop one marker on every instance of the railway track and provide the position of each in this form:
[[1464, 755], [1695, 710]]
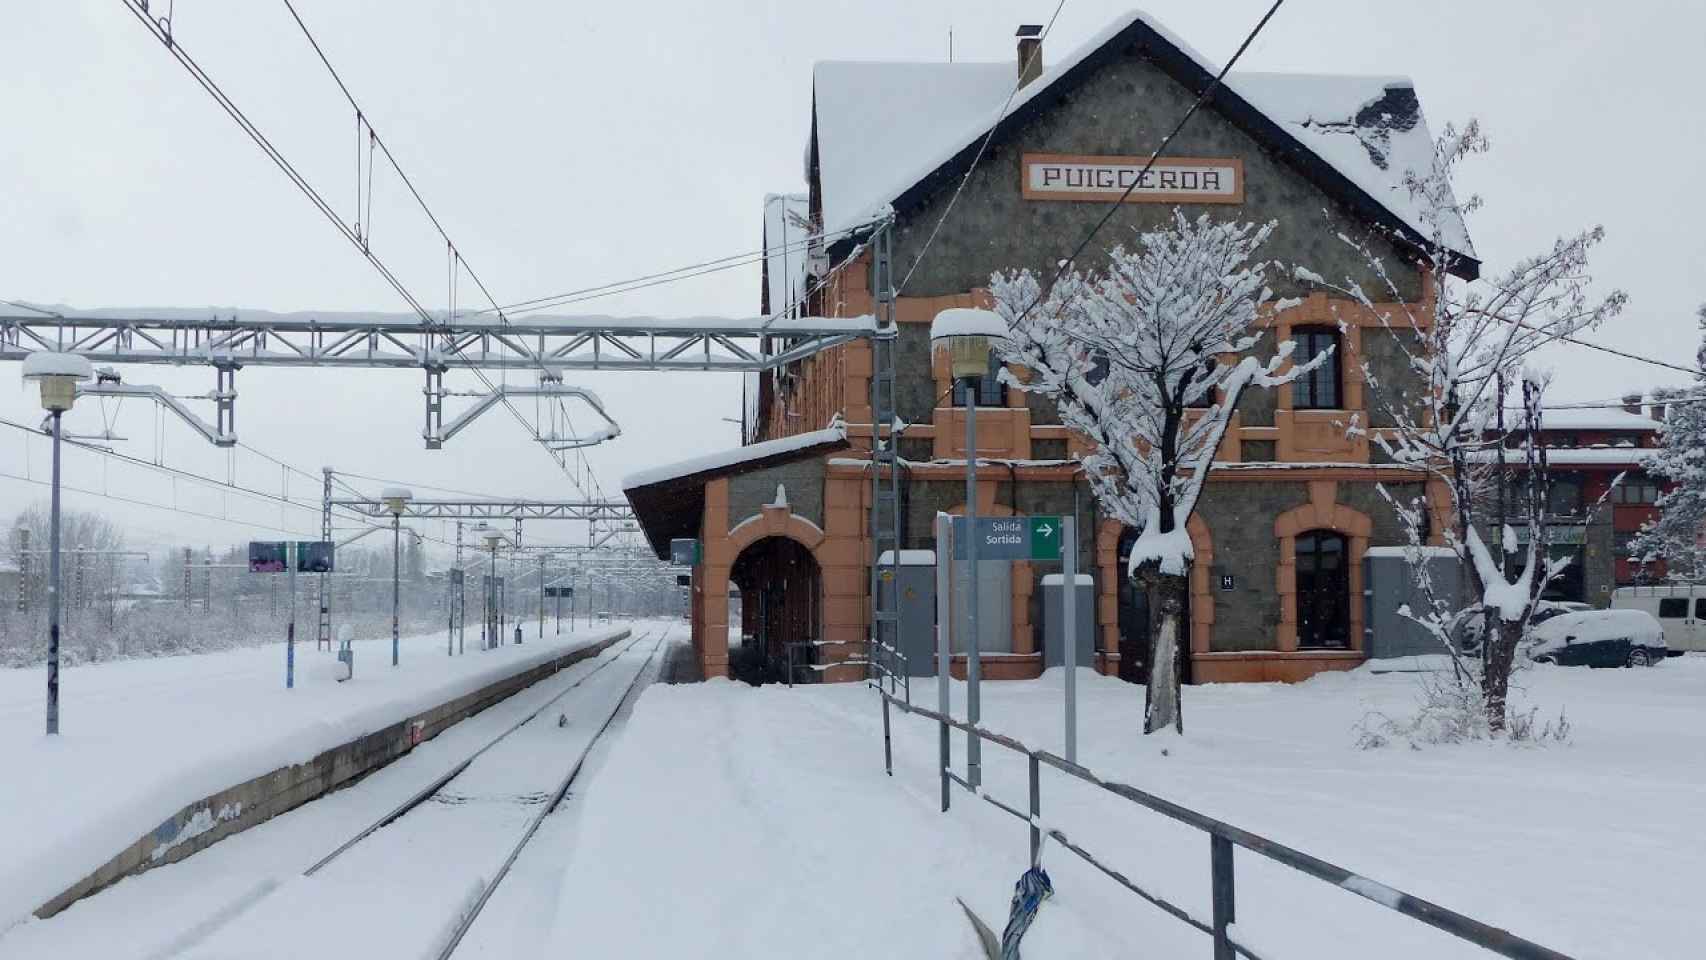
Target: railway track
[[457, 792]]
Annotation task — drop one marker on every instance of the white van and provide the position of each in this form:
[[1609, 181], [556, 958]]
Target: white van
[[1679, 607]]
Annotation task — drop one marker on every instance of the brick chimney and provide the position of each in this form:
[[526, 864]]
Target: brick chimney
[[1030, 52], [1632, 403]]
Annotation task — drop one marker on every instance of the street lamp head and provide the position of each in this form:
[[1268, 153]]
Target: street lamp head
[[396, 499], [58, 374], [968, 334]]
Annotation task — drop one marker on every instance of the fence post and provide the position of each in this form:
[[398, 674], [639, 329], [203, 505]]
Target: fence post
[[888, 751], [1220, 884], [1036, 811]]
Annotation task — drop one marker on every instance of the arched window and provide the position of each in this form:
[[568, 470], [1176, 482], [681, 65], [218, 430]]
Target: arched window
[[1319, 388], [1323, 591]]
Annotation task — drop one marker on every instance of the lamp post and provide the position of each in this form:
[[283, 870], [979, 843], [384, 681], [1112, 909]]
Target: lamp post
[[967, 333], [58, 375], [489, 625], [396, 500]]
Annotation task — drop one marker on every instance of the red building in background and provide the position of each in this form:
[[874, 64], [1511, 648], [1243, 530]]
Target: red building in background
[[1587, 450]]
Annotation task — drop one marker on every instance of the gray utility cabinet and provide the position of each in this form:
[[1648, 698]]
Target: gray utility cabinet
[[1054, 620], [915, 579], [1388, 585]]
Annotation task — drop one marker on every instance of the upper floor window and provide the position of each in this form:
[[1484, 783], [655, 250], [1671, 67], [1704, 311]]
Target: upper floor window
[[991, 392], [1637, 489], [1319, 388]]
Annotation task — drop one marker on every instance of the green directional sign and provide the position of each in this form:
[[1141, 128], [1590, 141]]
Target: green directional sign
[[1011, 538]]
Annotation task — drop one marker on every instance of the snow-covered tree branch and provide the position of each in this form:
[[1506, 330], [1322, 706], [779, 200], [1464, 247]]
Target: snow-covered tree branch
[[1675, 536], [1463, 342], [1147, 361]]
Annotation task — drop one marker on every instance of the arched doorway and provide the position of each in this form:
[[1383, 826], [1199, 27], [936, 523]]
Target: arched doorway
[[781, 591], [1323, 590]]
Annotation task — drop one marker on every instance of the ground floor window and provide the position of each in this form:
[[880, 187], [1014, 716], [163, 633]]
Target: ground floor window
[[1323, 591]]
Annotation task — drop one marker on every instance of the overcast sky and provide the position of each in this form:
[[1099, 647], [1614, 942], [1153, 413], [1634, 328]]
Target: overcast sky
[[567, 145]]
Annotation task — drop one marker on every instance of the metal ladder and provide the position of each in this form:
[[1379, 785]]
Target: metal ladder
[[323, 633], [884, 641]]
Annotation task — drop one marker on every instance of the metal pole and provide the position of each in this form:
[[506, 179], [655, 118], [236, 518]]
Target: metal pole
[[1036, 811], [1069, 619], [290, 631], [53, 593], [944, 653], [1220, 883], [541, 596], [396, 554], [974, 666]]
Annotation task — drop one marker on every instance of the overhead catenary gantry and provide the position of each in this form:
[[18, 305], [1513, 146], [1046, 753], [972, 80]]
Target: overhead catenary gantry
[[229, 340]]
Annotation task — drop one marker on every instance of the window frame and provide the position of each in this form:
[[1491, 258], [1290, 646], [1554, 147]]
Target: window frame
[[1306, 390]]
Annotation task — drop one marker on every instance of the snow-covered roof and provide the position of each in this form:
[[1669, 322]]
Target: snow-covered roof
[[787, 225], [835, 433], [879, 122], [882, 128], [1599, 419], [1370, 129], [1579, 456], [968, 322]]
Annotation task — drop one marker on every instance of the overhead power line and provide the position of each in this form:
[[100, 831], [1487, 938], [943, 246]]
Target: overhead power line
[[982, 148], [359, 233]]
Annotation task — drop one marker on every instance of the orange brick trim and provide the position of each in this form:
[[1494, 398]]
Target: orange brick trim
[[1270, 666], [1320, 513]]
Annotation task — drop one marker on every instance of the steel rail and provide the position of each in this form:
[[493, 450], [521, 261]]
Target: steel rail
[[426, 793], [473, 913]]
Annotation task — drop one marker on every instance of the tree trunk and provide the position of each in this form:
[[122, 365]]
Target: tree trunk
[[1166, 593], [1496, 664]]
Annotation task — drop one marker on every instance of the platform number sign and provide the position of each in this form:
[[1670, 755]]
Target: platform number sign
[[684, 552]]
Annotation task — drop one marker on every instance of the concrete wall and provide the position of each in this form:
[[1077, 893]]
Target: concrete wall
[[252, 803]]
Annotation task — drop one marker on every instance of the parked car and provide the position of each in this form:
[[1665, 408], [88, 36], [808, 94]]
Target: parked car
[[603, 616], [1598, 638], [1679, 607], [1471, 623]]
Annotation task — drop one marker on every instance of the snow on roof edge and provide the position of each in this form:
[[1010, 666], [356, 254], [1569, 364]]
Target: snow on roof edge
[[1097, 41], [836, 432]]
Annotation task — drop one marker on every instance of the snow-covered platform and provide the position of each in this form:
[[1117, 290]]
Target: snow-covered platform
[[1590, 847], [142, 739]]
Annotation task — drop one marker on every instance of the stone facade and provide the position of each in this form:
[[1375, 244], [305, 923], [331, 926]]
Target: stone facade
[[1284, 472]]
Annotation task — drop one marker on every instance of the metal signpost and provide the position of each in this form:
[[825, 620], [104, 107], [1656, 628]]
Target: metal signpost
[[1005, 539], [290, 556]]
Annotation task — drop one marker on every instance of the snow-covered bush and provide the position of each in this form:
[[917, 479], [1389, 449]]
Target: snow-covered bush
[[1450, 711]]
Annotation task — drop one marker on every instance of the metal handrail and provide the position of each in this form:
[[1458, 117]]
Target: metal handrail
[[1223, 838]]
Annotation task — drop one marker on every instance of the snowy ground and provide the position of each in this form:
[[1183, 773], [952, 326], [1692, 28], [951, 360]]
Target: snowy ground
[[758, 823], [393, 894], [140, 739]]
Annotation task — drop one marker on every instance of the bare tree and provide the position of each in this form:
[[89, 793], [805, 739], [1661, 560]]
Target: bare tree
[[1147, 361], [1462, 342]]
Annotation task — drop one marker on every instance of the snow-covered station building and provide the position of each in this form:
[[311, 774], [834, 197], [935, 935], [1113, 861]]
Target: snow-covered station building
[[1277, 584]]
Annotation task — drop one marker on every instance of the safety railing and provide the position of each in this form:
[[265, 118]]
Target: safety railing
[[1223, 839]]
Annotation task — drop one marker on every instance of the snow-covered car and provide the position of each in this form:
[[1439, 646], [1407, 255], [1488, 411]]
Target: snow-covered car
[[1598, 638], [1470, 623]]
